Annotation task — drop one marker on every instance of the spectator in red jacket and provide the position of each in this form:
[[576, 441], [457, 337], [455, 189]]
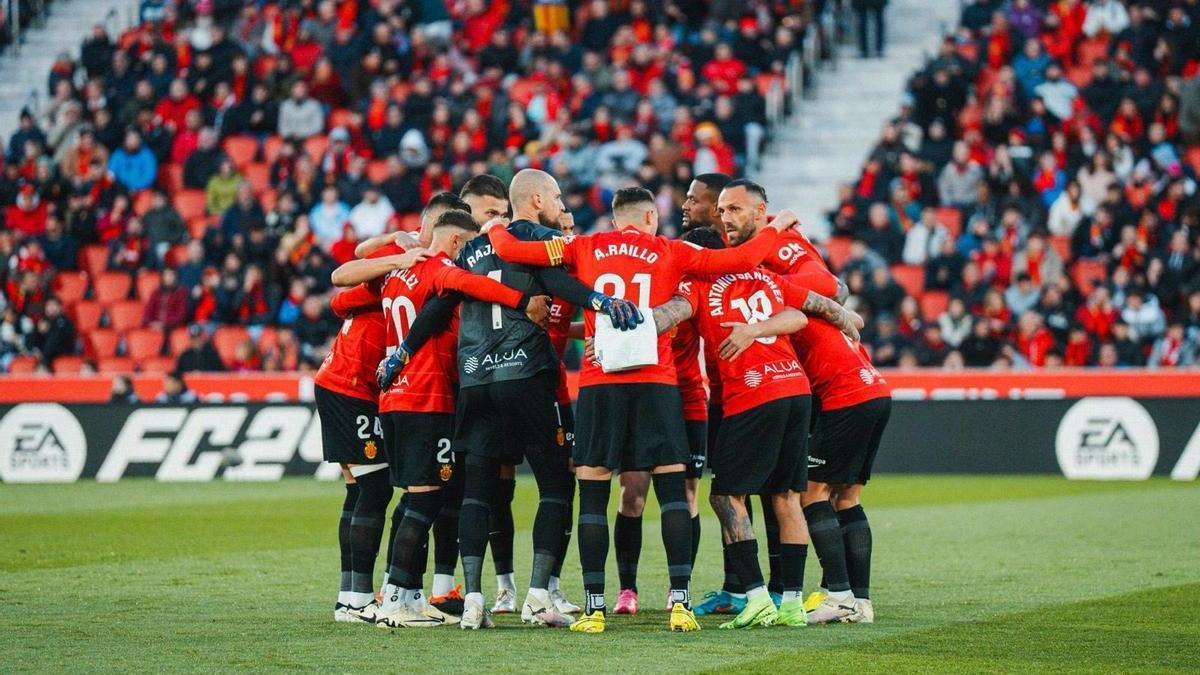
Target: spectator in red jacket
[[173, 109], [724, 70], [28, 215], [167, 306], [1098, 315], [1033, 340]]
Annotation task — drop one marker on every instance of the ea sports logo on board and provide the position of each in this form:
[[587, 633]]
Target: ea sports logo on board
[[41, 443], [1107, 438]]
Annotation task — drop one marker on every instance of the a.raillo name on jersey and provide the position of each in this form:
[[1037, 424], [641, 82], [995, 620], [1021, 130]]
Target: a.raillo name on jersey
[[631, 250]]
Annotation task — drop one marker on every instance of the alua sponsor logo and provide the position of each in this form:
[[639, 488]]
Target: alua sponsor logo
[[783, 369], [471, 364], [752, 378], [502, 359], [866, 376]]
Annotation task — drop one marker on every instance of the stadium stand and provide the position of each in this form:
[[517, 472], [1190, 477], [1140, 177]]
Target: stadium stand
[[1042, 170]]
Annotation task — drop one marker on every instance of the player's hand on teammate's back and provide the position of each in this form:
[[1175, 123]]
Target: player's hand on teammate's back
[[411, 257], [785, 219], [537, 308], [391, 365], [624, 314], [741, 336], [589, 350], [500, 220]]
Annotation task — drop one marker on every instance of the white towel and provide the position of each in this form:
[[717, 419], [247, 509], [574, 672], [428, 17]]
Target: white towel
[[618, 350]]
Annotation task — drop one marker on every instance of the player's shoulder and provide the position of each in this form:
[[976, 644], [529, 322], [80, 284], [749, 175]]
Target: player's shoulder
[[391, 248], [531, 231]]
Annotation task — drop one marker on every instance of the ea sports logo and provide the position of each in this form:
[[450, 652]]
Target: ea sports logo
[[471, 364], [752, 378], [1107, 438], [41, 443]]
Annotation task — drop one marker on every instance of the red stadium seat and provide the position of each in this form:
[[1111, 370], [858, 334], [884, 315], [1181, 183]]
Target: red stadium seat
[[269, 340], [910, 277], [1192, 157], [315, 147], [190, 204], [179, 341], [68, 365], [115, 365], [933, 303], [110, 287], [196, 226], [157, 364], [171, 178], [125, 315], [94, 259], [342, 117], [1081, 76], [143, 343], [837, 250], [176, 255], [951, 218], [271, 147], [1092, 50], [22, 365], [241, 149], [70, 287], [378, 171], [141, 202], [102, 343], [147, 282], [267, 200], [1062, 246], [1086, 273], [227, 338], [86, 314], [259, 175]]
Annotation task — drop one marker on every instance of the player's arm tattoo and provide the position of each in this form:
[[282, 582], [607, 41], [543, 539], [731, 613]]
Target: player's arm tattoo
[[842, 318], [671, 313], [843, 292], [735, 527]]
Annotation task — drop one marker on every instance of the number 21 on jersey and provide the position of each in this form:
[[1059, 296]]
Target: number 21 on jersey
[[612, 284]]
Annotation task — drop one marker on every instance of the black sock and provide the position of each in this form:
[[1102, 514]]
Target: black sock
[[479, 489], [550, 470], [856, 535], [502, 529], [366, 528], [593, 538], [771, 523], [564, 547], [344, 534], [408, 565], [627, 541], [671, 491], [826, 535], [733, 583], [695, 537], [397, 516], [743, 555], [445, 531], [791, 566]]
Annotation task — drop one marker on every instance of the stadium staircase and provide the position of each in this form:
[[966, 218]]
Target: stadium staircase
[[24, 69], [838, 122]]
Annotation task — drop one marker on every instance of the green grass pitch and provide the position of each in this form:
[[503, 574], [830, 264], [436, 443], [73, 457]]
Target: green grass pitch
[[971, 574]]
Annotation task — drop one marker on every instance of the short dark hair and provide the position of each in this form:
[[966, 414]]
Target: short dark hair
[[714, 181], [751, 187], [704, 237], [447, 200], [631, 195], [455, 218], [484, 185]]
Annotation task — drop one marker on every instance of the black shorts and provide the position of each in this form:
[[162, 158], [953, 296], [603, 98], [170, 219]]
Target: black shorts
[[762, 450], [630, 427], [509, 419], [419, 448], [697, 436], [350, 429], [846, 441]]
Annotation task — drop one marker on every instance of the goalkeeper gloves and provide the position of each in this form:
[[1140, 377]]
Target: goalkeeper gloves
[[390, 366], [624, 314]]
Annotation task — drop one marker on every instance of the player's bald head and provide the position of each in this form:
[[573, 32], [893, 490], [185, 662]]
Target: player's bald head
[[535, 196]]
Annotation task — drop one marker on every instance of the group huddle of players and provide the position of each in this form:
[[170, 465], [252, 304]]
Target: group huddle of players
[[447, 373]]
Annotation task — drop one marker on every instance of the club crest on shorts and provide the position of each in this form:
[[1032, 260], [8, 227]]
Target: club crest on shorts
[[561, 437], [369, 449], [446, 472]]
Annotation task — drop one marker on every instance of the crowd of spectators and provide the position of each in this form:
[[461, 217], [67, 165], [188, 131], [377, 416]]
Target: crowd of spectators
[[1034, 203], [227, 155]]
